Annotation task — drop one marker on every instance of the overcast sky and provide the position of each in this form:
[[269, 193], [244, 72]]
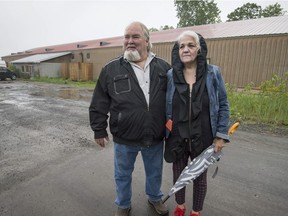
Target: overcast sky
[[30, 24]]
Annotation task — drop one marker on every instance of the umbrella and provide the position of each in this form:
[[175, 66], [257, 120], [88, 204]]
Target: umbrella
[[198, 165]]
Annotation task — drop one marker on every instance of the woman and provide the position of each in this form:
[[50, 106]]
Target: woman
[[198, 107]]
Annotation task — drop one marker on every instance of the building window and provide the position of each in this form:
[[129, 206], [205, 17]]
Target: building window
[[28, 68], [72, 56], [88, 55]]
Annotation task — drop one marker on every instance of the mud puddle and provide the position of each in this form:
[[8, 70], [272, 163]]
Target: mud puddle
[[73, 94]]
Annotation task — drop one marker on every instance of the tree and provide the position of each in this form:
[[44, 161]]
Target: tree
[[153, 29], [247, 11], [191, 12], [166, 27], [273, 10], [253, 11]]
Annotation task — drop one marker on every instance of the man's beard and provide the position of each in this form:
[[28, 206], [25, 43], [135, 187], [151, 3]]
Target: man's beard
[[132, 56]]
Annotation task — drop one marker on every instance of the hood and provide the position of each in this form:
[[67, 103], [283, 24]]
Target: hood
[[175, 58], [178, 66]]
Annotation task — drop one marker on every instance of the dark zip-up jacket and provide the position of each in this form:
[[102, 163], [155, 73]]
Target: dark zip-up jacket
[[132, 121], [178, 102]]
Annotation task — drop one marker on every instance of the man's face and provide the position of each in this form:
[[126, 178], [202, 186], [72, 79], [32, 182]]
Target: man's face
[[135, 43], [187, 49]]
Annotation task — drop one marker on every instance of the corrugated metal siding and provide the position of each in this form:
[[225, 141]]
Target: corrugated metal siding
[[163, 50], [243, 60], [103, 56], [247, 60]]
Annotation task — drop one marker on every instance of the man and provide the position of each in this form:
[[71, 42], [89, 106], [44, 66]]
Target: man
[[132, 88]]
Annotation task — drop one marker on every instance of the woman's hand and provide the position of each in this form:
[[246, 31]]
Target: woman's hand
[[219, 144]]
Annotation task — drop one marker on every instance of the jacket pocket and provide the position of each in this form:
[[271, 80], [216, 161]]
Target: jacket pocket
[[121, 84], [174, 149], [127, 125]]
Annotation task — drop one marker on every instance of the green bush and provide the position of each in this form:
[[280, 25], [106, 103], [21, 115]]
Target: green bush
[[276, 84]]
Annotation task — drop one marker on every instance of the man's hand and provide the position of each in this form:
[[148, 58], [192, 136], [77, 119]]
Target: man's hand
[[102, 141], [219, 144]]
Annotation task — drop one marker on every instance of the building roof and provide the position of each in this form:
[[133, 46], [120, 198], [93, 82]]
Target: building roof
[[38, 58], [242, 28]]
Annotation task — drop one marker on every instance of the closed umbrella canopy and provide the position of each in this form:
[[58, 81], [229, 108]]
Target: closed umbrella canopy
[[197, 166]]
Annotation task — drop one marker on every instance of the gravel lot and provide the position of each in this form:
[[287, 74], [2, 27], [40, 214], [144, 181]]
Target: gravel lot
[[40, 124], [50, 165]]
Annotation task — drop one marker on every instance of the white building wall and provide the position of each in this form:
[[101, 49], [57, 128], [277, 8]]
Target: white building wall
[[50, 70]]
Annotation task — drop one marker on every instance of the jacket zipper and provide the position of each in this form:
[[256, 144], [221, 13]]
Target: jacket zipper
[[189, 122]]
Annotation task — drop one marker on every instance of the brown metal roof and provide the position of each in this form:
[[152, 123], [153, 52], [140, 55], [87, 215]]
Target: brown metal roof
[[91, 44], [253, 27]]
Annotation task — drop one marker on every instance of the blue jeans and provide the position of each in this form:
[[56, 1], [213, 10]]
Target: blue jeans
[[124, 160]]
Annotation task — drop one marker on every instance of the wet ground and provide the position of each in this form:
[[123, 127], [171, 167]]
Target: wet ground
[[49, 164]]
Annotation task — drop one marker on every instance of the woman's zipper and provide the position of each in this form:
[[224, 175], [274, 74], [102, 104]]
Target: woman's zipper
[[189, 121]]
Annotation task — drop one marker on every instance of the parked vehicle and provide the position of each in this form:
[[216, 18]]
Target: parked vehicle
[[2, 64], [6, 73]]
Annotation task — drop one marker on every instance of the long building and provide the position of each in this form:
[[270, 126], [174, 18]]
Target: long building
[[248, 51]]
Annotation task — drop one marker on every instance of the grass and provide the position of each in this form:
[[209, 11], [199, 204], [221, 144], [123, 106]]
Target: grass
[[269, 108], [76, 84], [268, 104]]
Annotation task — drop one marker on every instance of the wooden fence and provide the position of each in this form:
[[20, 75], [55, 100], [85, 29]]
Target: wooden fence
[[76, 71]]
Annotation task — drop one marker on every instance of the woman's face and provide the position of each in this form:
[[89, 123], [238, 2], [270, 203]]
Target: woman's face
[[187, 50]]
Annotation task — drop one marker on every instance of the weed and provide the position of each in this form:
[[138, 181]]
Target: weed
[[268, 105]]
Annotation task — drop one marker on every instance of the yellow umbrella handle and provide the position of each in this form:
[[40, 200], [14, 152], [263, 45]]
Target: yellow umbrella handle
[[233, 128]]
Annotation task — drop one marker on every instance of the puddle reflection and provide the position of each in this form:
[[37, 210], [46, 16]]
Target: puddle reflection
[[74, 94]]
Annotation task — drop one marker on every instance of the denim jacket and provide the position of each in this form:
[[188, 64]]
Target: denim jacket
[[219, 106]]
